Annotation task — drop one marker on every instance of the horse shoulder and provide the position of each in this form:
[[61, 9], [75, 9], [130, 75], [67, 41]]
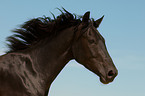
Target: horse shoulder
[[14, 75]]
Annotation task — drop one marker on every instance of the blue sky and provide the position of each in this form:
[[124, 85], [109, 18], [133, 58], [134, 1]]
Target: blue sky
[[123, 29]]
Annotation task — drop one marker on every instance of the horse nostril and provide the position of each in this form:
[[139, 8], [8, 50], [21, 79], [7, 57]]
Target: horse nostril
[[110, 73]]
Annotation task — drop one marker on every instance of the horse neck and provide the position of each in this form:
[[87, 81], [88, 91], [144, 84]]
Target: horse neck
[[53, 55]]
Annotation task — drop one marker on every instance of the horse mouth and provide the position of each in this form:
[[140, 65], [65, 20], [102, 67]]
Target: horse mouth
[[105, 81]]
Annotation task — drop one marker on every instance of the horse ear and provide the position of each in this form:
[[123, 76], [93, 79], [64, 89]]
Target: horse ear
[[98, 22], [86, 17]]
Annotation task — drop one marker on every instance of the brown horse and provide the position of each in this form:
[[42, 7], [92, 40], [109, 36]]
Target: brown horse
[[42, 47]]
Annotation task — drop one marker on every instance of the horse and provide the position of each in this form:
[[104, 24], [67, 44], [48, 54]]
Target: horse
[[42, 46]]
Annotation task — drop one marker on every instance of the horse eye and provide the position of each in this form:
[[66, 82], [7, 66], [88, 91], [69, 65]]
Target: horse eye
[[91, 41]]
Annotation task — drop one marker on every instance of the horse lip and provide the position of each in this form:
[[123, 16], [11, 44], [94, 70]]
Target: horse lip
[[105, 81]]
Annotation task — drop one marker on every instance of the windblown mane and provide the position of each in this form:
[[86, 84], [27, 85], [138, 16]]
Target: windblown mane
[[37, 29]]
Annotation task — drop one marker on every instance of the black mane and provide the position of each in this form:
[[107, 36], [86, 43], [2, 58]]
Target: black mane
[[36, 29]]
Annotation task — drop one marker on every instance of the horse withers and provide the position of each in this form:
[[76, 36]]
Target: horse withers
[[40, 49]]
